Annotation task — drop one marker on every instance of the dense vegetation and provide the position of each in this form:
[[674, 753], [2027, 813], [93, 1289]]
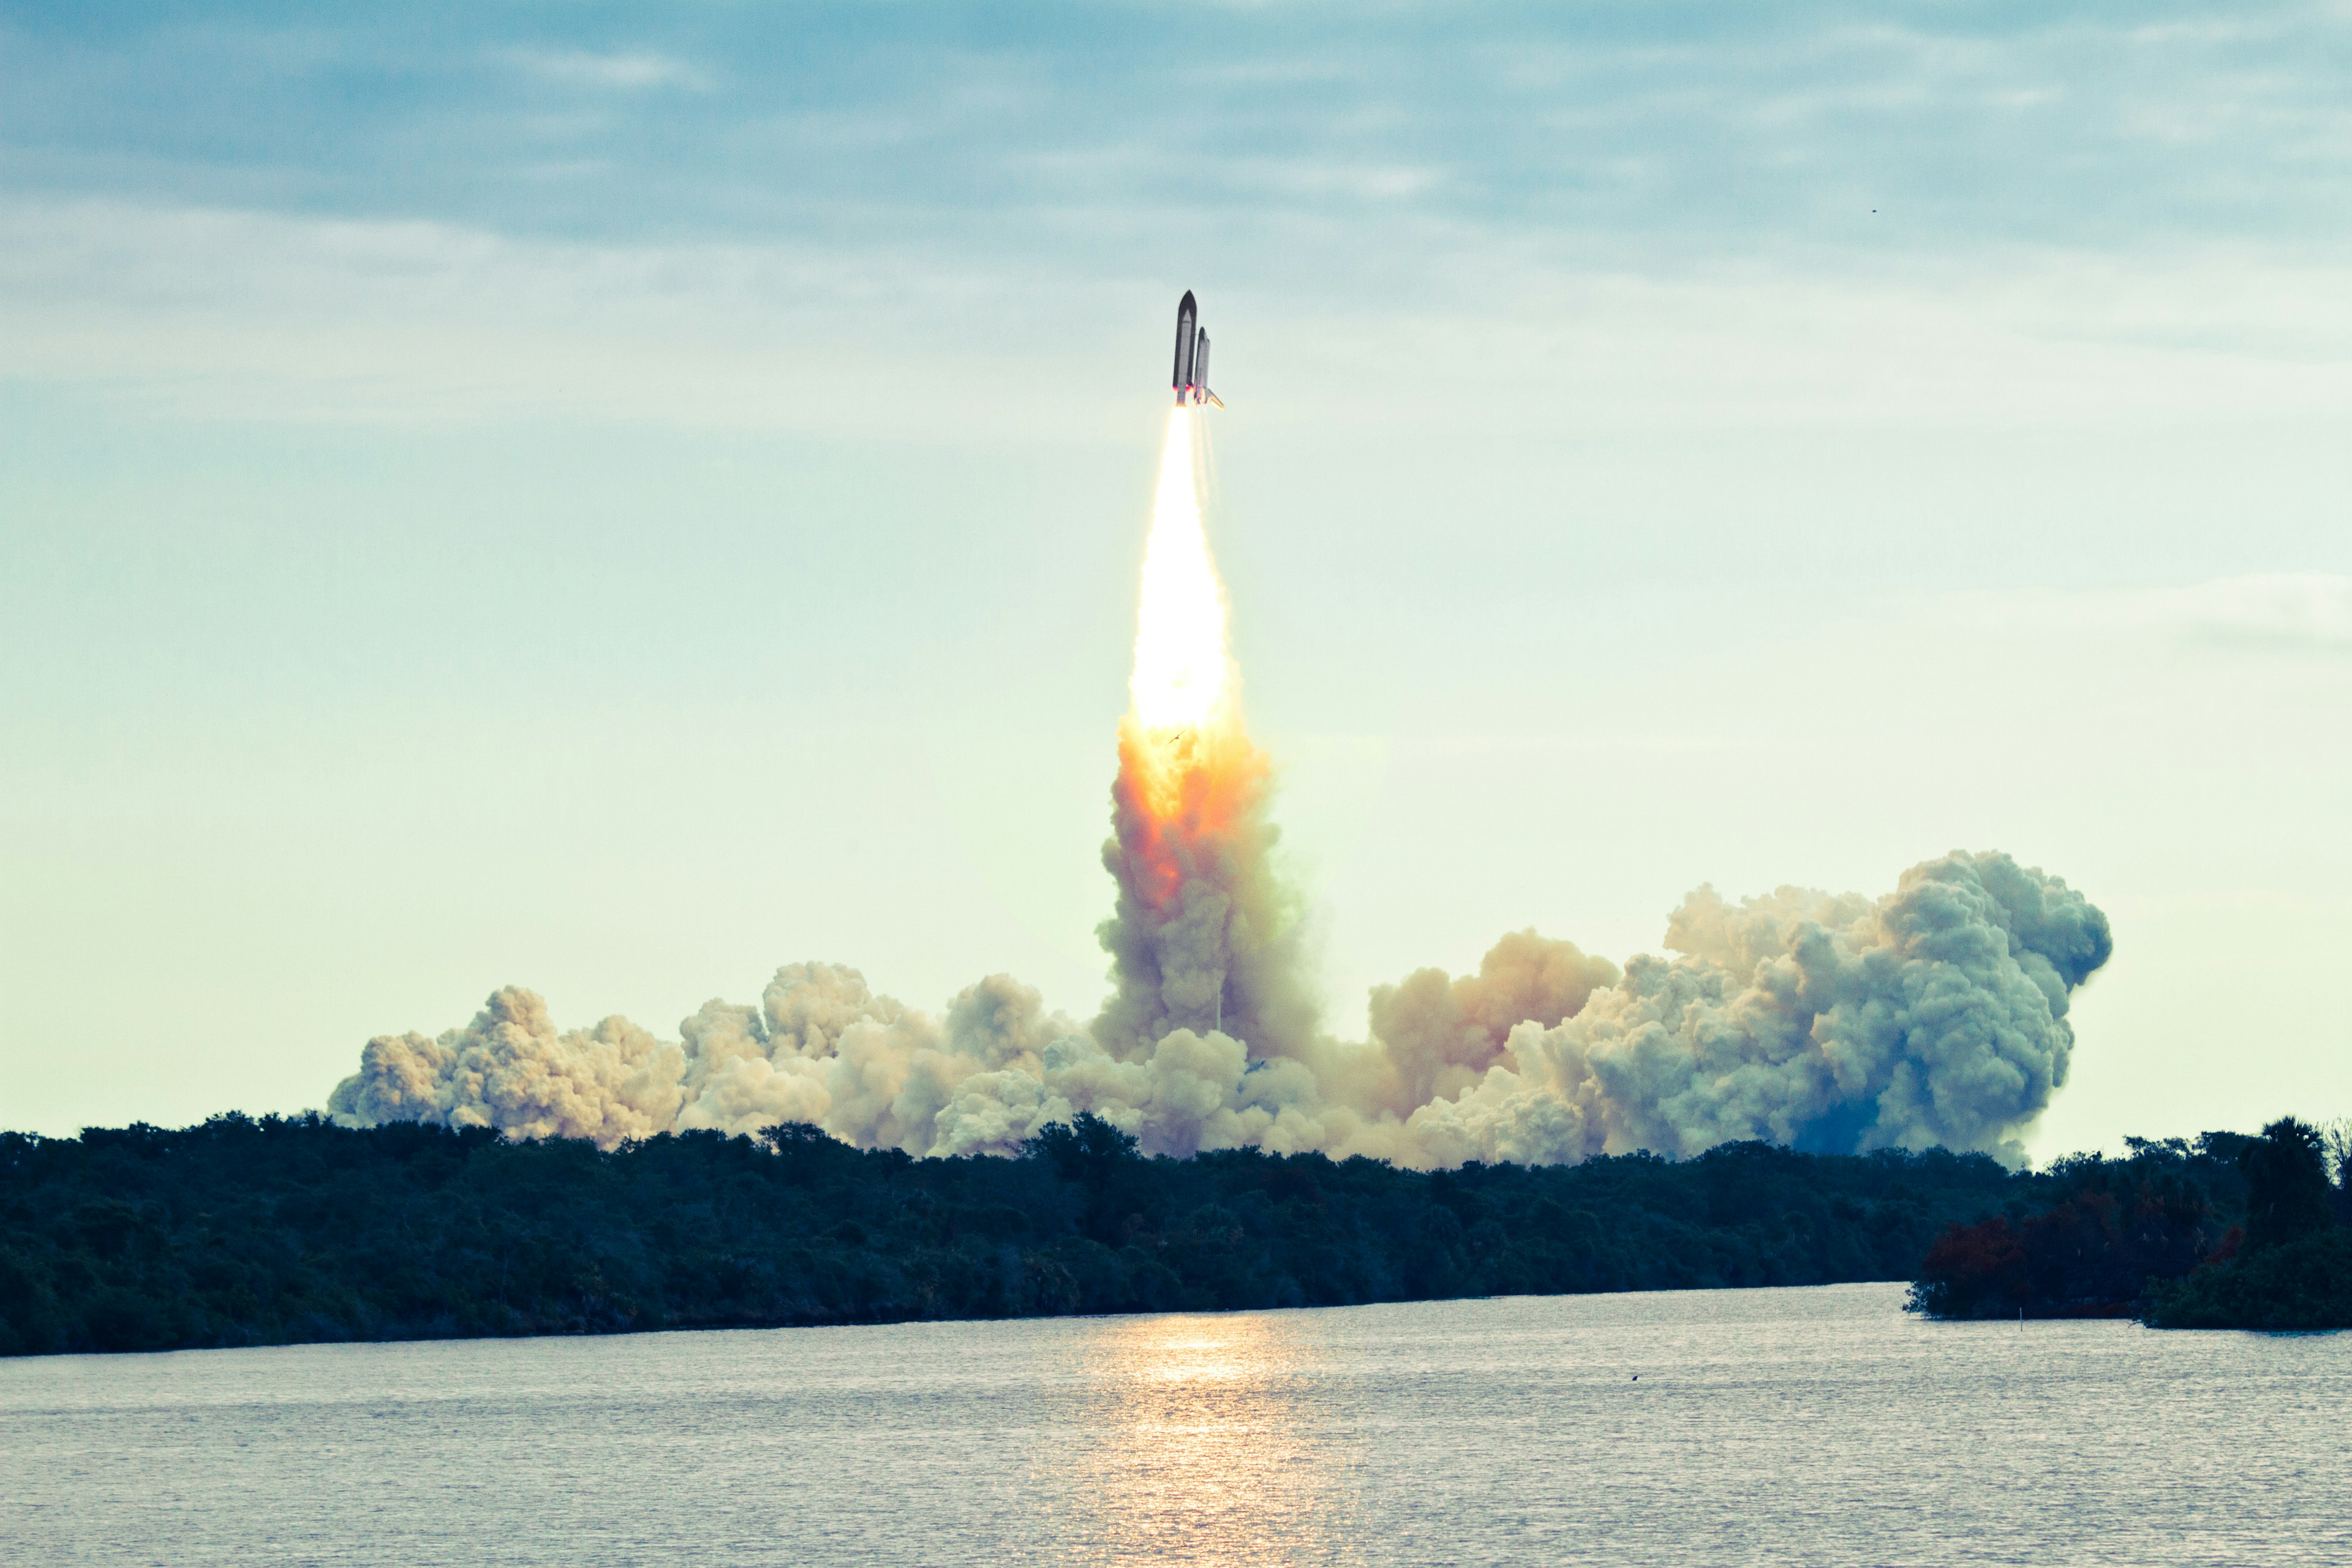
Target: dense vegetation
[[2226, 1232], [2291, 1266], [279, 1230], [257, 1232]]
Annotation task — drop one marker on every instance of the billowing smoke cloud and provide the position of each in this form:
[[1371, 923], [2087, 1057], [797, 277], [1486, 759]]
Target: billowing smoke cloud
[[1935, 1014], [1205, 935]]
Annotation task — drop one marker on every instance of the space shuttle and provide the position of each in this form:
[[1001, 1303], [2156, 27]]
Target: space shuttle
[[1191, 357]]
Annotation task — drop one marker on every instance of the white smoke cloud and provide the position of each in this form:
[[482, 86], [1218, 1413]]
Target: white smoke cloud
[[510, 1070], [1937, 1015], [1933, 1015]]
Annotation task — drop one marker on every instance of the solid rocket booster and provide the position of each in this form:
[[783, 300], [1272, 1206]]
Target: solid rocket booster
[[1191, 356]]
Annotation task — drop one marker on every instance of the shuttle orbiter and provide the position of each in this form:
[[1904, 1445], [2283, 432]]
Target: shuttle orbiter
[[1191, 357]]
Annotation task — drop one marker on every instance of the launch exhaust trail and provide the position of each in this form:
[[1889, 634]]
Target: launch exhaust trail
[[1203, 936], [1934, 1014], [1182, 673]]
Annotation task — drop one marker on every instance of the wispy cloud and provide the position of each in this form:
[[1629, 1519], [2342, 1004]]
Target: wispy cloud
[[2290, 612], [613, 72], [2301, 611], [1655, 134], [1749, 217], [228, 313]]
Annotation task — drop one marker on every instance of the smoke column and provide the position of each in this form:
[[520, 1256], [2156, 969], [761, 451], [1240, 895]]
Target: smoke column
[[1203, 937], [1934, 1014]]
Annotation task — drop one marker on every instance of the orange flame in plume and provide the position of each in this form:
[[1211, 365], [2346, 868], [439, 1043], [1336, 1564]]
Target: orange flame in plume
[[1187, 767]]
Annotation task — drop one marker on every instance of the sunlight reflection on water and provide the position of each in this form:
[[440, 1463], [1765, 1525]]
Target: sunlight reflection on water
[[1201, 1453]]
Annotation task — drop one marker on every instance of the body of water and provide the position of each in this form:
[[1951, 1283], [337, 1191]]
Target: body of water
[[1729, 1426]]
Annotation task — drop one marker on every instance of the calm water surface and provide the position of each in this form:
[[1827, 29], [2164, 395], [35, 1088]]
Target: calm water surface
[[1822, 1427]]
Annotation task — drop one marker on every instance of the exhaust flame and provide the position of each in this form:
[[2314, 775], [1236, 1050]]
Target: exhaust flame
[[1204, 935], [1182, 669]]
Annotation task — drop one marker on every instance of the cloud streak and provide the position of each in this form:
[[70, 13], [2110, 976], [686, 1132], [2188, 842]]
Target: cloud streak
[[613, 72], [1698, 132], [230, 313], [1759, 217], [2292, 612]]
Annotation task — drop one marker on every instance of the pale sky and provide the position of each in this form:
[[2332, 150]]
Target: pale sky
[[615, 502]]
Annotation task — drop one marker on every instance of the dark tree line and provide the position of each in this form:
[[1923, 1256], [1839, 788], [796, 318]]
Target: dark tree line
[[2224, 1232], [281, 1230], [243, 1231], [2291, 1265]]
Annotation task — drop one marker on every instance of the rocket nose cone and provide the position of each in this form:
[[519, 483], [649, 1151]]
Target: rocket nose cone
[[1185, 307]]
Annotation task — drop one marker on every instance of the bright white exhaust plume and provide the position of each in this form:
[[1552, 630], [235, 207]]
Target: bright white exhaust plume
[[1183, 670]]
